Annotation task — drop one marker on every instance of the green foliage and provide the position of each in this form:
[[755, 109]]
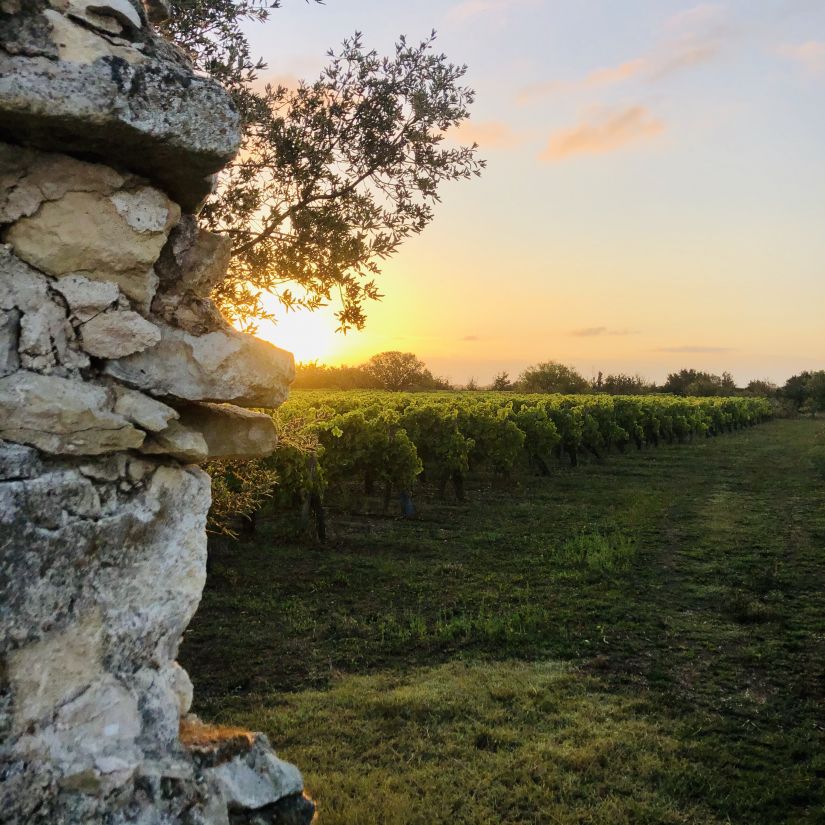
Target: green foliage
[[762, 388], [239, 490], [310, 375], [550, 376], [502, 382], [697, 383], [332, 176], [806, 391], [397, 371], [387, 370], [457, 670], [621, 384], [598, 551], [342, 444]]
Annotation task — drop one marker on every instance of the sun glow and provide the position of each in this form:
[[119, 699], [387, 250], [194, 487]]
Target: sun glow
[[310, 336]]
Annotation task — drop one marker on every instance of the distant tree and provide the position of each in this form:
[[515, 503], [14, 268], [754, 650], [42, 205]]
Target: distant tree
[[472, 385], [398, 371], [314, 376], [621, 384], [796, 388], [550, 376], [502, 382], [816, 391], [762, 388], [695, 382], [333, 175]]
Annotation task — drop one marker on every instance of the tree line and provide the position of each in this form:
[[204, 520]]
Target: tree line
[[404, 371]]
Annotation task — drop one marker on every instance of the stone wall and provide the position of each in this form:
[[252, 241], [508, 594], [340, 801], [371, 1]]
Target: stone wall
[[117, 377]]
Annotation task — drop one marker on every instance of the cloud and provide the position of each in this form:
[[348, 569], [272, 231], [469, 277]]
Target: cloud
[[478, 8], [691, 38], [810, 55], [691, 348], [488, 134], [598, 78], [700, 17], [471, 338], [604, 133], [593, 332]]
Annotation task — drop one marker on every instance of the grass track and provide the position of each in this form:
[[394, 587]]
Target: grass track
[[641, 641]]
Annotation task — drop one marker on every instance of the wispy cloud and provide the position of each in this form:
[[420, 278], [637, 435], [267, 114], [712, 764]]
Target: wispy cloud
[[691, 38], [695, 349], [810, 55], [598, 78], [699, 17], [603, 133], [498, 9], [471, 338], [594, 332], [488, 134]]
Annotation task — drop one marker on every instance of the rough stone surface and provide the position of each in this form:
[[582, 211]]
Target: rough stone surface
[[89, 649], [219, 366], [256, 777], [179, 441], [60, 415], [231, 432], [117, 334], [133, 102], [98, 237], [142, 410], [193, 260], [106, 327], [46, 340], [86, 298]]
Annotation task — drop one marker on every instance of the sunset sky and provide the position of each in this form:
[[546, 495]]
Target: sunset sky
[[655, 194]]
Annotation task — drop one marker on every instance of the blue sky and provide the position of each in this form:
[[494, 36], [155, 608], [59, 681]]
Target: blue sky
[[655, 196]]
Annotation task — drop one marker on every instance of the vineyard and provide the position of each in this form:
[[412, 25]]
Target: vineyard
[[341, 445]]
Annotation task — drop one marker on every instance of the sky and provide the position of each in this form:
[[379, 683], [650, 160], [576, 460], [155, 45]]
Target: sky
[[654, 197]]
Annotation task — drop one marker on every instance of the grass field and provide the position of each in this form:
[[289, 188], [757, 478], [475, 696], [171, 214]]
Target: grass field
[[639, 641]]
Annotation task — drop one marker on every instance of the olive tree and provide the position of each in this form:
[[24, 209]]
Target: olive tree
[[333, 175]]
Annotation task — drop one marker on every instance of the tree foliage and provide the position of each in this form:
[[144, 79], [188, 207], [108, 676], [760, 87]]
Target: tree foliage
[[399, 371], [622, 384], [550, 376], [806, 390], [697, 383], [332, 176]]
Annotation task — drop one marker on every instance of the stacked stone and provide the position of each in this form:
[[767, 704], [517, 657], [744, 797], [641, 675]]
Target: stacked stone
[[117, 377]]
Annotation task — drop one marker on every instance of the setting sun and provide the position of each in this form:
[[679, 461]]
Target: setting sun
[[310, 336]]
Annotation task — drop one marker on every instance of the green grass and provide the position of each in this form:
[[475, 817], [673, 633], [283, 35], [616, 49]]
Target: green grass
[[641, 641]]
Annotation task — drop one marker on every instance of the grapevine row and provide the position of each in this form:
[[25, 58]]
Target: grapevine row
[[374, 441]]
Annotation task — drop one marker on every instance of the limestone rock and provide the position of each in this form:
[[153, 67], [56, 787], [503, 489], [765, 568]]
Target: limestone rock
[[18, 461], [138, 106], [102, 532], [28, 178], [86, 298], [193, 259], [257, 777], [45, 339], [121, 10], [220, 366], [59, 415], [9, 334], [116, 238], [180, 442], [188, 312], [117, 334], [96, 589], [147, 413], [232, 432]]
